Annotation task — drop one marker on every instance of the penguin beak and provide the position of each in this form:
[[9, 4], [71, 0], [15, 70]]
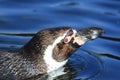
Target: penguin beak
[[87, 34], [83, 35]]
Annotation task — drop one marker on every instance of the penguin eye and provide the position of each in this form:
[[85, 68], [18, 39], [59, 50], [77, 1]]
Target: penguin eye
[[70, 32]]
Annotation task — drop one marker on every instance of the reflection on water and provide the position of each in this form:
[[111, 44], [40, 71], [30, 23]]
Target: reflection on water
[[23, 34], [110, 56], [97, 60], [110, 38]]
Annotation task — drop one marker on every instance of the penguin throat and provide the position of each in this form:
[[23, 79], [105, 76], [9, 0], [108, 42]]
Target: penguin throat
[[53, 64]]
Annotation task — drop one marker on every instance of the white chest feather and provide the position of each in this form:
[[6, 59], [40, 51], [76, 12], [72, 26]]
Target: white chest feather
[[52, 63]]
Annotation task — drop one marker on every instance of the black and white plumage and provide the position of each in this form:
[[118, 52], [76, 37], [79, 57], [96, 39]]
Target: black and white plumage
[[46, 52]]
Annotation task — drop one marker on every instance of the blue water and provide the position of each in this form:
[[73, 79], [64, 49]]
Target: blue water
[[98, 59]]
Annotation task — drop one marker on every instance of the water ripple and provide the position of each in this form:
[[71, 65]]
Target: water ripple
[[89, 64]]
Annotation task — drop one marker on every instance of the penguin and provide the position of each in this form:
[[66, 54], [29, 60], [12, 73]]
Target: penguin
[[45, 53]]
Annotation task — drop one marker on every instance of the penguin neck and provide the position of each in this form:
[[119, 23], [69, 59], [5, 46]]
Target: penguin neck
[[38, 45], [43, 53], [52, 63]]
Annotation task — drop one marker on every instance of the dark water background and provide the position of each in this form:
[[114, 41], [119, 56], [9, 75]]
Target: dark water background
[[98, 59]]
